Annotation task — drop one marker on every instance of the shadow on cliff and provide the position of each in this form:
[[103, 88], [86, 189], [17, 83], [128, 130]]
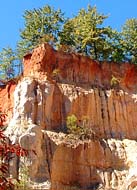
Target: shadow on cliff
[[82, 167], [110, 113]]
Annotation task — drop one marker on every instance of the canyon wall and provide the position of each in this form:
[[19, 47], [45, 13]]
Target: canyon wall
[[57, 84], [7, 98]]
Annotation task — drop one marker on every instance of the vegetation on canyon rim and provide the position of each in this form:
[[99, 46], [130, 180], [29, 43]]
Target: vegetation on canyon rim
[[84, 33]]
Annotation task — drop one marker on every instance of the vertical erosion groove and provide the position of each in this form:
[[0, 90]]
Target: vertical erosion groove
[[114, 130], [101, 113], [131, 114], [35, 103], [123, 122], [107, 111], [126, 114], [50, 148], [43, 105], [47, 155]]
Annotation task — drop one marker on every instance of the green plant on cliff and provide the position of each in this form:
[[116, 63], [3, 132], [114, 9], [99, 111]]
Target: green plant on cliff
[[55, 73], [81, 128], [72, 124], [114, 82]]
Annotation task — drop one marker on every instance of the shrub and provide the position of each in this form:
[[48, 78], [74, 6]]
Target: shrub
[[55, 73], [72, 124], [81, 128], [114, 81]]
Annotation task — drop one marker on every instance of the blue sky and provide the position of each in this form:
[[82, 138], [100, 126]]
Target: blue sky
[[11, 11]]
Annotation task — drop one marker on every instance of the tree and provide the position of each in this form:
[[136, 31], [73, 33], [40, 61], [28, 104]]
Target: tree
[[67, 35], [86, 33], [115, 50], [7, 63], [129, 35], [41, 25]]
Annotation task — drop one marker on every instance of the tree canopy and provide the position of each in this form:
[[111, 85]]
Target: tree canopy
[[7, 58], [129, 35], [41, 25], [84, 33]]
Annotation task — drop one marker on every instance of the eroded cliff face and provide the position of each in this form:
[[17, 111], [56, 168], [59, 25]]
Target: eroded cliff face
[[7, 98], [79, 70], [97, 164], [57, 84]]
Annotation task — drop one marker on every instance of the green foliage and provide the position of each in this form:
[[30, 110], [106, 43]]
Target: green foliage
[[83, 33], [55, 73], [67, 36], [10, 66], [23, 183], [113, 46], [86, 34], [72, 124], [7, 63], [114, 81], [80, 128], [41, 25], [129, 34]]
